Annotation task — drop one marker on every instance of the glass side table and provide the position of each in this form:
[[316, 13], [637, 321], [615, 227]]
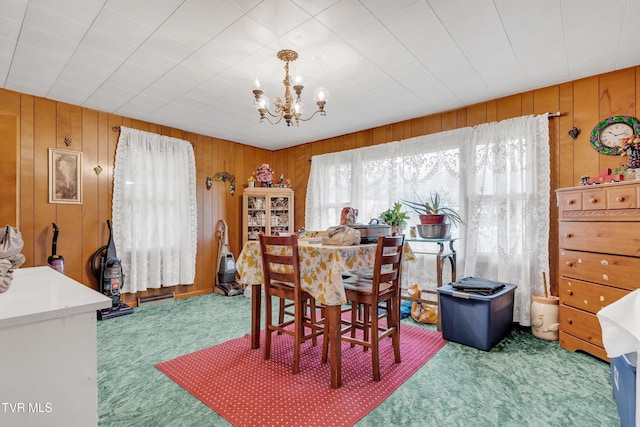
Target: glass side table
[[446, 252]]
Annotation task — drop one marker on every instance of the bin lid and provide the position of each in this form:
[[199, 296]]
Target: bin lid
[[631, 358], [451, 291], [478, 286]]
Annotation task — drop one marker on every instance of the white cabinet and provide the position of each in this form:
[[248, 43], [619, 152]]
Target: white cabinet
[[48, 361], [266, 210]]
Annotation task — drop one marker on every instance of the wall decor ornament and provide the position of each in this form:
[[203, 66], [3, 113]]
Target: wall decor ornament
[[574, 132], [606, 135], [227, 177], [65, 176]]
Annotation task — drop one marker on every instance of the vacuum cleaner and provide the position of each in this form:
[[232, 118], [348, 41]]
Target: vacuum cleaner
[[226, 283], [108, 273], [54, 260]]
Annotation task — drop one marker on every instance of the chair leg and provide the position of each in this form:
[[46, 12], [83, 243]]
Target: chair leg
[[393, 320], [375, 350], [312, 317], [367, 328], [297, 338], [281, 309], [267, 328], [355, 315], [325, 341], [325, 346]]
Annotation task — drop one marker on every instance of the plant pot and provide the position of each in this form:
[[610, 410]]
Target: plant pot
[[432, 219], [433, 231], [397, 230]]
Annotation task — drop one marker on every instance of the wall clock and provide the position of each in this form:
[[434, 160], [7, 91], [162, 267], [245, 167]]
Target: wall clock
[[607, 134]]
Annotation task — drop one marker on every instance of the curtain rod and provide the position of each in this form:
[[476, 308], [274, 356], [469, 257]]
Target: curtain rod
[[551, 115], [117, 129]]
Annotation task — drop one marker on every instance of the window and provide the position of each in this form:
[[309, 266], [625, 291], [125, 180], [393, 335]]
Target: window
[[496, 175], [154, 210]]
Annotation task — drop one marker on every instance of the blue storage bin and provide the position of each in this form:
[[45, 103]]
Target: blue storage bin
[[623, 381], [479, 321]]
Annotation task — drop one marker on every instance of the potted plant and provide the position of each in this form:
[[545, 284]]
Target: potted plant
[[395, 217], [433, 212]]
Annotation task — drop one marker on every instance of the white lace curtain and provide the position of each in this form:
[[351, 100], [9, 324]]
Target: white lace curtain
[[154, 210], [497, 175]]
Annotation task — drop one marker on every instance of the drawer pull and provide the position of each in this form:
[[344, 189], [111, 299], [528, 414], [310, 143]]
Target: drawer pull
[[604, 262], [569, 264], [570, 321], [571, 202], [620, 199], [569, 292], [568, 235], [593, 200]]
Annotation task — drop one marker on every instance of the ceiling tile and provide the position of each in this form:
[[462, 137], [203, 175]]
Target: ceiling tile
[[278, 16], [50, 22], [80, 11], [13, 10], [216, 16], [109, 98], [150, 13], [122, 26]]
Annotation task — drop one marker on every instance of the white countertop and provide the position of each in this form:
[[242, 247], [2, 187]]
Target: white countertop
[[42, 293]]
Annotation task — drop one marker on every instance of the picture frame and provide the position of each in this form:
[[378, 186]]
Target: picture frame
[[65, 176]]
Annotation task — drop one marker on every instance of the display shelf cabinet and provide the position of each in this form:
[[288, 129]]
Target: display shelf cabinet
[[266, 210]]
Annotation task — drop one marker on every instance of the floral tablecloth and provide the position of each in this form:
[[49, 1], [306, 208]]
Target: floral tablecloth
[[321, 267]]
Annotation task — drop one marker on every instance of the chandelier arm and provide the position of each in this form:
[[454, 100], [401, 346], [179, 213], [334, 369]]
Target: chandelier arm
[[269, 120], [311, 116], [272, 114]]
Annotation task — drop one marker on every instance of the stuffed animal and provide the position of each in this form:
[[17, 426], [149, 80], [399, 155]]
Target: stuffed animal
[[422, 312]]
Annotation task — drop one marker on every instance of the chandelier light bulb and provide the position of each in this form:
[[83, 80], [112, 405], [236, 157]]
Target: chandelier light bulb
[[258, 83], [298, 77], [321, 94], [262, 103]]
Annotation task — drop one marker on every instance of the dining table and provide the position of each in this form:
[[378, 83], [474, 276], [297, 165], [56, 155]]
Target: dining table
[[321, 269]]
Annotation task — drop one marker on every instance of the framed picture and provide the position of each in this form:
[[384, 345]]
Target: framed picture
[[65, 176]]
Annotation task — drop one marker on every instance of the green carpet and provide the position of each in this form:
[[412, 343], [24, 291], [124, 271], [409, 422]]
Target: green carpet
[[523, 381]]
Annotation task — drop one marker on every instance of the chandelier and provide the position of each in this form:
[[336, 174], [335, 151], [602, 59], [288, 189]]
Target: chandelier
[[288, 108]]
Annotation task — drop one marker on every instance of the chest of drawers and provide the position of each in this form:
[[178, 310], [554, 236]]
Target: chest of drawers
[[599, 257]]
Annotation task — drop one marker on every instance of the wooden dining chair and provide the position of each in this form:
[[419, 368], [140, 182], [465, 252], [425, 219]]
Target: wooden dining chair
[[281, 267], [375, 303], [286, 307]]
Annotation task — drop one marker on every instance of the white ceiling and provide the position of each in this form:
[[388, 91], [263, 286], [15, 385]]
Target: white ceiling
[[189, 64]]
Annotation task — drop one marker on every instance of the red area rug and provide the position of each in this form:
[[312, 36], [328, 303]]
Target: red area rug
[[247, 390]]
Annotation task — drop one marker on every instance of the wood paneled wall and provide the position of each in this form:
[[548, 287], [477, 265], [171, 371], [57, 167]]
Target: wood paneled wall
[[43, 123], [39, 124], [9, 169]]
